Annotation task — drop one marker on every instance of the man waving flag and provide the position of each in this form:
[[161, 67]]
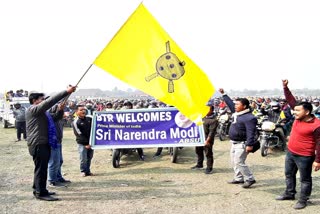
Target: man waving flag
[[143, 55]]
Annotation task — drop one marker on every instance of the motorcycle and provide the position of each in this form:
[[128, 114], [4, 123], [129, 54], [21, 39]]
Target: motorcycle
[[67, 119], [172, 151], [269, 137], [223, 126], [118, 153]]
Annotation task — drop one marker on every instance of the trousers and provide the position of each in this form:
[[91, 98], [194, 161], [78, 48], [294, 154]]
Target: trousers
[[293, 163], [238, 157], [41, 155]]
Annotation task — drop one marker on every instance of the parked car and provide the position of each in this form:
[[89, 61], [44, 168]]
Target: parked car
[[6, 110]]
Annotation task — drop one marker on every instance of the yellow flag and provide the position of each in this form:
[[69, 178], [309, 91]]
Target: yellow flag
[[143, 55]]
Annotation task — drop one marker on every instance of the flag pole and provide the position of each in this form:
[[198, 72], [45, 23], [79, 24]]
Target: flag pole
[[67, 97], [84, 75]]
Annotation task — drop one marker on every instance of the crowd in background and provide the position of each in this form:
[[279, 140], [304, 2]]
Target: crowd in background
[[19, 93], [102, 104], [117, 104]]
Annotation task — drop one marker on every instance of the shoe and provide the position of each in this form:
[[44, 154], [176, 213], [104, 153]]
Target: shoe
[[248, 184], [89, 174], [17, 140], [284, 197], [196, 167], [56, 184], [46, 198], [83, 174], [49, 193], [235, 182], [300, 205], [208, 171], [142, 157], [62, 180]]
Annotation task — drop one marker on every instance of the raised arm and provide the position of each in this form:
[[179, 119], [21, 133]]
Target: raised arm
[[228, 100], [288, 95]]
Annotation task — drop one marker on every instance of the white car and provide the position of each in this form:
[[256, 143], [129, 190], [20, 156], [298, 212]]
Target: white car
[[6, 110]]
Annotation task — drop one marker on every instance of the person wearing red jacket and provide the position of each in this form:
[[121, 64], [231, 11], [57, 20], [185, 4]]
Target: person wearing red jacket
[[303, 150]]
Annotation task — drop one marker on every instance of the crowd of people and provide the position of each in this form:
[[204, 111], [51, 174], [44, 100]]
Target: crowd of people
[[45, 118], [19, 93]]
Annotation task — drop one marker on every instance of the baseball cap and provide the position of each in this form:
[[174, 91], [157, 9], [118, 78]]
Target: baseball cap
[[35, 95]]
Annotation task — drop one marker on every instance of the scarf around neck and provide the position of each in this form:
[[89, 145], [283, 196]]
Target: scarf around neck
[[236, 114]]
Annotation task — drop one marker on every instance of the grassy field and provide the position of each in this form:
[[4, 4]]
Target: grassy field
[[152, 186]]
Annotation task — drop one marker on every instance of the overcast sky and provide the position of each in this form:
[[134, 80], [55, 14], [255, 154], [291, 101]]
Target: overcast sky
[[46, 45]]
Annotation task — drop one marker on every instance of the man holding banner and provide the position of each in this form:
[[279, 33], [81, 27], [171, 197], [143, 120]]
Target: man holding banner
[[81, 128], [210, 124]]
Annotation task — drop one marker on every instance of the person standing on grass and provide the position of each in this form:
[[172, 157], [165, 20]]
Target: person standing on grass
[[39, 138], [303, 150], [242, 136], [82, 128], [210, 124], [19, 113], [55, 177]]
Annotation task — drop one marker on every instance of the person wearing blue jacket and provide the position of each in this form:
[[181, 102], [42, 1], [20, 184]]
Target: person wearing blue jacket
[[55, 177], [242, 136]]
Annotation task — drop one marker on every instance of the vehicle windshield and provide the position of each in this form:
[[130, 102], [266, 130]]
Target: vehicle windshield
[[25, 105]]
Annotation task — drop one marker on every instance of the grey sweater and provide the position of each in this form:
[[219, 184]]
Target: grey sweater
[[20, 114]]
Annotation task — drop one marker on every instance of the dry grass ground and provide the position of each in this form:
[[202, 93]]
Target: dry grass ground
[[152, 186]]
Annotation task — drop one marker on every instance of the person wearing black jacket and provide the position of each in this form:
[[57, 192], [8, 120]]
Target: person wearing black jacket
[[81, 128], [38, 138], [210, 124], [242, 135]]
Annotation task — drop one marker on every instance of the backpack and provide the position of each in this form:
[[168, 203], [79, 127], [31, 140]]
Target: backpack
[[256, 145]]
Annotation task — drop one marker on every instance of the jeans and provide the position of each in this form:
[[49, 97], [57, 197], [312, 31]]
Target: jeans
[[208, 151], [55, 163], [294, 163], [41, 156], [21, 129], [85, 158], [238, 156]]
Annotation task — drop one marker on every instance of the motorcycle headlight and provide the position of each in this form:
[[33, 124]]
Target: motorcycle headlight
[[268, 126]]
